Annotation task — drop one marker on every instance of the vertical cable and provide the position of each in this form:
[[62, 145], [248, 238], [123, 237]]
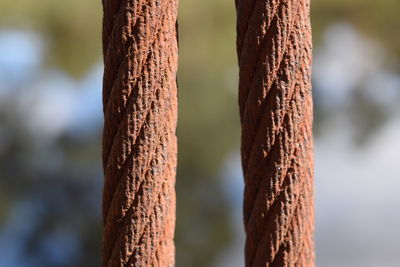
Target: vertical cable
[[139, 143], [275, 52]]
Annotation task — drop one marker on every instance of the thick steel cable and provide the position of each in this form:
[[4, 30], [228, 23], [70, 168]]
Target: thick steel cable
[[274, 50], [139, 142]]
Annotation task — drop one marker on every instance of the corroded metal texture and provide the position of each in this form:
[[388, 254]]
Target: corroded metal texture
[[139, 143], [274, 49]]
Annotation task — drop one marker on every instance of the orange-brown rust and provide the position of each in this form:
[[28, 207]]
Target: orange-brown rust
[[274, 50], [139, 142]]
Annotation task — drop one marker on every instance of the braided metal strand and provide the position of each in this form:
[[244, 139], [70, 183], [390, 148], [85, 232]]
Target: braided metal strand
[[139, 142], [274, 50]]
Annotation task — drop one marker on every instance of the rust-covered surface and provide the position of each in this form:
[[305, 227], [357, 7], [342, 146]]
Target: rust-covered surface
[[274, 49], [139, 142]]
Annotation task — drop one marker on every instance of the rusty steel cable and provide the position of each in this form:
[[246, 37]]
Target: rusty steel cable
[[139, 143], [274, 51]]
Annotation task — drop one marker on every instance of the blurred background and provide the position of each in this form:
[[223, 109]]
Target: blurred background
[[51, 123]]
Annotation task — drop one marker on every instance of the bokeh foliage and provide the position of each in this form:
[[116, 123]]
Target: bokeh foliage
[[72, 29], [378, 19]]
